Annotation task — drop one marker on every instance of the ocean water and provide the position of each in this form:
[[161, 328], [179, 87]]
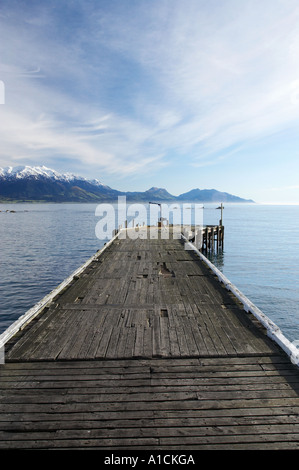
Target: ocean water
[[42, 244], [261, 257]]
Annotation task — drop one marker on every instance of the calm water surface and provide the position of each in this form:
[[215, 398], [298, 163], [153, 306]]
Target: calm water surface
[[42, 244]]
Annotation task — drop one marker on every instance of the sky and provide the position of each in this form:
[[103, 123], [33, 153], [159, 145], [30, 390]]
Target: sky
[[141, 93]]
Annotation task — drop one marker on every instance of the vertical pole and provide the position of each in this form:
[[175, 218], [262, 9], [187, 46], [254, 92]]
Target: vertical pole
[[221, 220]]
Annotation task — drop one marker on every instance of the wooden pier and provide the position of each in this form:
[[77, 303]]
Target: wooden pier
[[207, 237], [144, 348]]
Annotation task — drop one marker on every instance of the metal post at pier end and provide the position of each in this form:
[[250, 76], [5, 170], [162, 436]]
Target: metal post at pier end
[[221, 220], [160, 205], [221, 228]]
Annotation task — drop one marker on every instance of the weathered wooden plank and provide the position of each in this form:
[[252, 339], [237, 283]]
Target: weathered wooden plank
[[175, 313], [165, 339], [156, 337], [152, 405], [286, 432], [225, 376], [200, 338], [246, 439], [100, 331], [131, 334], [113, 343], [59, 442], [147, 342], [77, 345], [125, 386], [174, 342], [98, 394], [212, 416], [139, 338], [197, 367], [103, 344], [142, 420], [261, 361]]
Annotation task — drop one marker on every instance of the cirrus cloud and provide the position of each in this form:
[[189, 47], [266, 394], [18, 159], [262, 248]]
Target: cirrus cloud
[[129, 89]]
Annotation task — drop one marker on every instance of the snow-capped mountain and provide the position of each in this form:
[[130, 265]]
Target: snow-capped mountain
[[39, 183], [26, 171]]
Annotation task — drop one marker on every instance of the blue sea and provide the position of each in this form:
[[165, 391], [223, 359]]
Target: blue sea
[[42, 244]]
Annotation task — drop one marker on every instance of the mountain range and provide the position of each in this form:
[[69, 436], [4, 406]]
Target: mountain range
[[42, 184]]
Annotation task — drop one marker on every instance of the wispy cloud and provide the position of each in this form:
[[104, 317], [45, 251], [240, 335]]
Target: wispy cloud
[[126, 88]]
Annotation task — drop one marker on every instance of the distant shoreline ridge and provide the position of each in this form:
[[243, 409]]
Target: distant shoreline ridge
[[41, 184]]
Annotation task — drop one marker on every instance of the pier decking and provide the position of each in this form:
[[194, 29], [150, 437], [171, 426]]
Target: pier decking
[[146, 349]]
